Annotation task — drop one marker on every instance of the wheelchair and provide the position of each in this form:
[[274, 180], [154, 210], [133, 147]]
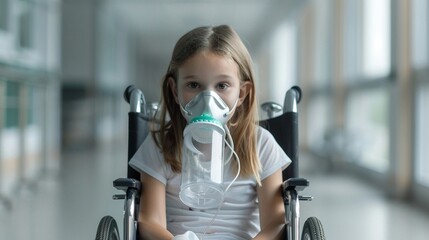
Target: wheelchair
[[284, 128]]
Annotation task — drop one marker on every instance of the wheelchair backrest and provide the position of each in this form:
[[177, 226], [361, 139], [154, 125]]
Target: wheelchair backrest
[[284, 128], [138, 124]]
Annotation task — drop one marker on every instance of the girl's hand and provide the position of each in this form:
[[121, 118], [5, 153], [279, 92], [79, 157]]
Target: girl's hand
[[186, 236]]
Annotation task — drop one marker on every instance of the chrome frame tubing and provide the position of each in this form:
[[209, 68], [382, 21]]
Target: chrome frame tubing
[[137, 101], [291, 100], [292, 215], [293, 96], [137, 105], [130, 213]]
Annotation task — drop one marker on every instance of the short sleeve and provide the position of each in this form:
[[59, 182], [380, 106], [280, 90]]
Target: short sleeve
[[149, 159], [271, 155]]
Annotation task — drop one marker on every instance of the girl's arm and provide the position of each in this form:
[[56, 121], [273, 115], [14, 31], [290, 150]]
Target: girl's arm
[[152, 216], [271, 207]]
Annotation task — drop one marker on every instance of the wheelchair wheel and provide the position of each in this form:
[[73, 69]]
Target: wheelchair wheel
[[313, 230], [107, 229]]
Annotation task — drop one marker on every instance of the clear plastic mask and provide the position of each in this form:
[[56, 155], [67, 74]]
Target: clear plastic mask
[[207, 103]]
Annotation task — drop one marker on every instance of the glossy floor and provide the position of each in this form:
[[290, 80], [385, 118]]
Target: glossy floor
[[69, 206]]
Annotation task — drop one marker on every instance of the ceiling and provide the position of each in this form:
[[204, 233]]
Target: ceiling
[[159, 23]]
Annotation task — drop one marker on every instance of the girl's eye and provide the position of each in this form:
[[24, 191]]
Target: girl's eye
[[222, 86], [193, 85]]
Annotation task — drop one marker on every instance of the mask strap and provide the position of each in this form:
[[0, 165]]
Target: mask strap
[[183, 109], [232, 109]]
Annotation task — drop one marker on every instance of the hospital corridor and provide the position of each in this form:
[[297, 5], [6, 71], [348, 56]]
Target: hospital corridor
[[361, 118]]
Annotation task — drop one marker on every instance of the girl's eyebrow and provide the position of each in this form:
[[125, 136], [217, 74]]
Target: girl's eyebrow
[[225, 76], [190, 77], [220, 76]]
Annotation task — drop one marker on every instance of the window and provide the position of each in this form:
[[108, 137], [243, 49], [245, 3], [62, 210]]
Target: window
[[34, 105], [367, 58], [366, 39], [4, 16], [283, 62], [322, 40], [420, 35], [420, 65], [352, 30], [6, 33], [25, 21], [12, 105], [318, 122], [422, 135], [376, 38], [367, 128]]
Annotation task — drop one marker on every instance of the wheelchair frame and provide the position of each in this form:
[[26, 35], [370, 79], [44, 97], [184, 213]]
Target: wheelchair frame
[[292, 184]]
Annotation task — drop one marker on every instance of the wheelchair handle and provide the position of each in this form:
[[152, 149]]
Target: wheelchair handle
[[293, 97], [271, 108], [134, 96]]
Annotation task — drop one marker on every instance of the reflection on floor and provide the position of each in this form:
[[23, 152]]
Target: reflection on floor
[[69, 206]]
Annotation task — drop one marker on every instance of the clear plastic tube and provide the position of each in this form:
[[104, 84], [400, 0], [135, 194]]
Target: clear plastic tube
[[231, 147]]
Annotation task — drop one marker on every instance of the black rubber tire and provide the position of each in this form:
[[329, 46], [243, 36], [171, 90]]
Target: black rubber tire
[[107, 229], [313, 230]]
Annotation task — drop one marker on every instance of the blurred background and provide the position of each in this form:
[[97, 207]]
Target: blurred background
[[363, 66]]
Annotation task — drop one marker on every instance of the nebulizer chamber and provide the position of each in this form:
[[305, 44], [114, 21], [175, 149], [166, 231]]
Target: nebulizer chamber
[[202, 166], [202, 184]]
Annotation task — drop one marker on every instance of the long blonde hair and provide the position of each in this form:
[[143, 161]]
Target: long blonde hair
[[222, 40]]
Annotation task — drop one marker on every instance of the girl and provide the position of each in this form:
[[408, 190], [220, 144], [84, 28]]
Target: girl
[[211, 59]]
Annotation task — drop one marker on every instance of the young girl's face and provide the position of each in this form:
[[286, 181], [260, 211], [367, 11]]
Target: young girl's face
[[207, 71]]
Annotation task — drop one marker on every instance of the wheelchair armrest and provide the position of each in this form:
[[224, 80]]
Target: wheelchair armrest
[[295, 183], [126, 183]]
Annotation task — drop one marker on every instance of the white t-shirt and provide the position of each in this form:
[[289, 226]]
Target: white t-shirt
[[238, 217]]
